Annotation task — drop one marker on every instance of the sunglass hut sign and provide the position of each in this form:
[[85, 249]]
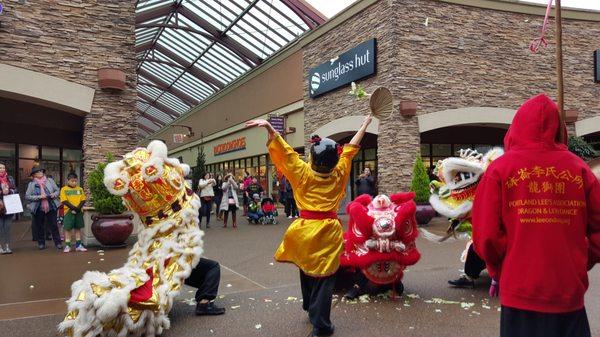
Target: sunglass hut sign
[[356, 63]]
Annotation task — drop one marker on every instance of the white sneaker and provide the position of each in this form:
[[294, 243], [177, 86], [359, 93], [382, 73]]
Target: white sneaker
[[2, 251], [289, 217], [81, 248], [7, 250], [67, 249]]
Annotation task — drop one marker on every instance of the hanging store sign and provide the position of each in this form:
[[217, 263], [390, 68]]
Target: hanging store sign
[[278, 124], [232, 146], [356, 63]]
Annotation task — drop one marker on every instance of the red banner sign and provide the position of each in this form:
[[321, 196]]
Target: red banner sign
[[234, 145]]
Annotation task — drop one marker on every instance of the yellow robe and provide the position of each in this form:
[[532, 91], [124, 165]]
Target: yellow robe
[[313, 245]]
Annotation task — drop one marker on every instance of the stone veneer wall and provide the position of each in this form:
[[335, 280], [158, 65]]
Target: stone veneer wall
[[465, 57], [72, 40]]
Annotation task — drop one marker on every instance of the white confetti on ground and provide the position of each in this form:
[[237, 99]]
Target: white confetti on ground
[[31, 286], [413, 296], [258, 326], [466, 305], [476, 313], [486, 307], [442, 301], [268, 300], [292, 298], [271, 264], [251, 298], [499, 310], [411, 327], [189, 301], [101, 259], [235, 307], [228, 285], [438, 310], [211, 331], [406, 305], [364, 298]]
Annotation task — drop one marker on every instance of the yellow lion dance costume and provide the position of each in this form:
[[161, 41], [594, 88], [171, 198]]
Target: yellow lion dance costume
[[135, 299]]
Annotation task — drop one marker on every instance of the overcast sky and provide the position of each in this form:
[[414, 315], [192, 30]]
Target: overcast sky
[[332, 7]]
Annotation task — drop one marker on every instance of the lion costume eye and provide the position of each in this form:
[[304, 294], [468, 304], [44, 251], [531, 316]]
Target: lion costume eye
[[153, 169]]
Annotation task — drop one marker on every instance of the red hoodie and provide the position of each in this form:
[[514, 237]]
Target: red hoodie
[[536, 215]]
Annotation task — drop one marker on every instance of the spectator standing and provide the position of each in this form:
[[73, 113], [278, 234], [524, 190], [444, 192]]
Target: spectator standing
[[206, 192], [7, 186], [365, 183], [42, 193], [230, 203], [218, 196], [291, 210]]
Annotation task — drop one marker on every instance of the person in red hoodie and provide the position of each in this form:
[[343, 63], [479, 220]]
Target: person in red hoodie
[[536, 224]]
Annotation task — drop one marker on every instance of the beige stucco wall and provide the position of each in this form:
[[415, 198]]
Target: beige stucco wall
[[45, 90]]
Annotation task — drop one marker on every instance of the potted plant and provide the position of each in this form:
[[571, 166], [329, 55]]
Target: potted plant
[[420, 185], [110, 226]]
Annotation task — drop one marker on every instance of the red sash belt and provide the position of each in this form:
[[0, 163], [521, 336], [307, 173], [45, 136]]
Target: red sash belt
[[314, 215]]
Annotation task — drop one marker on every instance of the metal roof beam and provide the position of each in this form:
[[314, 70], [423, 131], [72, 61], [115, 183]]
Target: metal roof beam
[[311, 18], [249, 58], [144, 46], [158, 105], [155, 13], [164, 86], [151, 118], [145, 128], [201, 75], [220, 37]]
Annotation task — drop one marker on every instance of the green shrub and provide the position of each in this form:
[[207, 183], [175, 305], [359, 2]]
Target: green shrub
[[420, 181], [581, 148], [103, 201]]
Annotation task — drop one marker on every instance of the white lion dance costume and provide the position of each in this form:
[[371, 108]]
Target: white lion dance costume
[[135, 299]]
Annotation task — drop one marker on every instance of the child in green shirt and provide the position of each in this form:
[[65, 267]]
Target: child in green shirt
[[72, 197]]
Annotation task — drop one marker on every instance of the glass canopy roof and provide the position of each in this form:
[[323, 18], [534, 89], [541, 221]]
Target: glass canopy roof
[[189, 49]]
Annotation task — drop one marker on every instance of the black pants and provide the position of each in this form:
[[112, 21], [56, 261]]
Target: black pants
[[474, 265], [316, 299], [46, 221], [523, 323], [205, 277], [205, 211], [290, 206]]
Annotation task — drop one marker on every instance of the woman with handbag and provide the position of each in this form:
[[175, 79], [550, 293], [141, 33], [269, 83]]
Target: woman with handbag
[[7, 186], [230, 203], [205, 189], [42, 193]]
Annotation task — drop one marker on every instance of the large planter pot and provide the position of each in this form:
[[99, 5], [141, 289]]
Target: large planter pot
[[112, 230], [424, 213]]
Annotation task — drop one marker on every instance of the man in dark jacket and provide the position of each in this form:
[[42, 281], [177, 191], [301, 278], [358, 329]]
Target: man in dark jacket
[[536, 224]]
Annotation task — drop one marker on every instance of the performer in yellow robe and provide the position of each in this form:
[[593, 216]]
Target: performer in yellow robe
[[314, 242]]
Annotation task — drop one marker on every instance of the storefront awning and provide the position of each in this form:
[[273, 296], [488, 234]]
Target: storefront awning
[[189, 49]]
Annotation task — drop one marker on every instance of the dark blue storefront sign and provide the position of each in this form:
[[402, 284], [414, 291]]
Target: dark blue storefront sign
[[356, 63]]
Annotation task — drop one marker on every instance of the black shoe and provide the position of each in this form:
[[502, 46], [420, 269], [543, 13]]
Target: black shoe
[[209, 309], [41, 247], [59, 247], [352, 294], [399, 287], [315, 333], [462, 282]]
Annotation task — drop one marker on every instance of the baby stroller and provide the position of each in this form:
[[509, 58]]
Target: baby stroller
[[269, 211]]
